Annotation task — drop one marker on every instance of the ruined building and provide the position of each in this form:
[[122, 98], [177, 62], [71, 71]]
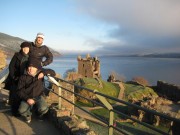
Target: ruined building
[[89, 66]]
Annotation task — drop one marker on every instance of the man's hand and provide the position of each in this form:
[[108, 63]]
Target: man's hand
[[31, 101], [40, 76]]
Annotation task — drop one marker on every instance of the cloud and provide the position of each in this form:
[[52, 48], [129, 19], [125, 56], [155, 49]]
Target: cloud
[[142, 25]]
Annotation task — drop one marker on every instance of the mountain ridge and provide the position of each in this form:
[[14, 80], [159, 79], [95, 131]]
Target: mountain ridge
[[10, 44]]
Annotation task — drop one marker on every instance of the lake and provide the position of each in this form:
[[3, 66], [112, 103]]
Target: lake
[[152, 69]]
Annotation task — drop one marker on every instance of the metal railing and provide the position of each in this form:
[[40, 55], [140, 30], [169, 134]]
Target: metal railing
[[3, 74], [105, 104]]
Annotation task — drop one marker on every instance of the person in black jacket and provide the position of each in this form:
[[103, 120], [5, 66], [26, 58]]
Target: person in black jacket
[[16, 69], [30, 89], [39, 51]]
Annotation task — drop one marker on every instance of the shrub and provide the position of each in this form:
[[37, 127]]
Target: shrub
[[140, 80]]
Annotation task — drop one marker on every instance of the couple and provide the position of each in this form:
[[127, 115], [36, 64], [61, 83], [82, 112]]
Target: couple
[[26, 75]]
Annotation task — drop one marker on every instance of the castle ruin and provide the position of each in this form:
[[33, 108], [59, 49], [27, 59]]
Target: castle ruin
[[89, 66]]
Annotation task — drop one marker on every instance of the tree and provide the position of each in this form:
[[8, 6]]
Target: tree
[[140, 80], [117, 76], [68, 71]]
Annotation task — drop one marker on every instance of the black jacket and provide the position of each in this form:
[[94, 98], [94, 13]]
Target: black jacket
[[16, 66], [31, 87], [40, 52]]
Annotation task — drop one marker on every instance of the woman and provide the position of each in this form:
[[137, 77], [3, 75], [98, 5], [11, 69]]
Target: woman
[[16, 69]]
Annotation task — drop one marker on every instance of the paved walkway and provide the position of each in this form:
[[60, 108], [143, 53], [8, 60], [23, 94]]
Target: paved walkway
[[10, 125]]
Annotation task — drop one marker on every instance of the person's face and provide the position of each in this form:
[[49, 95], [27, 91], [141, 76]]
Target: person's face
[[25, 50], [39, 40], [32, 70]]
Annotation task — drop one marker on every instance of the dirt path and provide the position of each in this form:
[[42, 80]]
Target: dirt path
[[84, 115], [16, 126], [10, 125]]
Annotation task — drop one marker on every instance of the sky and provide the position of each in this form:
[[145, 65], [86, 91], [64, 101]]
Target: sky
[[96, 26]]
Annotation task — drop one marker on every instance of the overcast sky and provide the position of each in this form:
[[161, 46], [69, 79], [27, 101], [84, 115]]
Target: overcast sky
[[100, 26]]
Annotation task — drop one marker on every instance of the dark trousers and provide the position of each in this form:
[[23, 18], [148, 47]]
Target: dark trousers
[[14, 99], [41, 107]]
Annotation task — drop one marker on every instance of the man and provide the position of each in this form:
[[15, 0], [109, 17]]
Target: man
[[39, 51], [30, 89]]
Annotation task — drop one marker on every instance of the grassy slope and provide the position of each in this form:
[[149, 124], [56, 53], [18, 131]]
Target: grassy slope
[[131, 91], [108, 88], [137, 92], [136, 129], [112, 89]]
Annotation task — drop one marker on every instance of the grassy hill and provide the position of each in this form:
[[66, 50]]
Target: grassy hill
[[132, 91], [137, 92], [10, 45]]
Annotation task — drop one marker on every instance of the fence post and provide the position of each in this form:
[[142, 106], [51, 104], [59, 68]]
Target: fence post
[[59, 99], [110, 108], [111, 117], [59, 90]]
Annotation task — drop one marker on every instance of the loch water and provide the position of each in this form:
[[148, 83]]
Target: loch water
[[152, 69]]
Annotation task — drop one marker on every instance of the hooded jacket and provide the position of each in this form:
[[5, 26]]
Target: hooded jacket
[[30, 87], [40, 52]]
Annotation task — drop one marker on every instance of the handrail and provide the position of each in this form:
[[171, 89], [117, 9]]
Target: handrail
[[3, 74], [102, 97], [98, 94], [124, 102]]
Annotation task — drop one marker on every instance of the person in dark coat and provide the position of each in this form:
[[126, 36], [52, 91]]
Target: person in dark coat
[[40, 51], [30, 89], [16, 69]]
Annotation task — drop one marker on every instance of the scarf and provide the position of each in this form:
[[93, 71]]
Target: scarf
[[23, 64]]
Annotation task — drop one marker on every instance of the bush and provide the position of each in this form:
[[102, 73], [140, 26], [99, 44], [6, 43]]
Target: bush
[[140, 80], [68, 71]]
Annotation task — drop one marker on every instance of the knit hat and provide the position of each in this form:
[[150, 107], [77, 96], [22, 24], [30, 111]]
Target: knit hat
[[25, 44], [41, 35], [34, 62]]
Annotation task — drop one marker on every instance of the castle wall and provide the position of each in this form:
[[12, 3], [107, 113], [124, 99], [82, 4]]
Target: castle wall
[[54, 99], [85, 68], [89, 67], [170, 91]]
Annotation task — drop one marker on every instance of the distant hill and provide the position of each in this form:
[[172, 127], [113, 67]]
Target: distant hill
[[163, 55], [10, 45], [152, 55]]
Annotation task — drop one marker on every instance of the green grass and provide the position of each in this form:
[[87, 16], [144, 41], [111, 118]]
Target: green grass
[[137, 92], [81, 104], [136, 129], [108, 88], [132, 91]]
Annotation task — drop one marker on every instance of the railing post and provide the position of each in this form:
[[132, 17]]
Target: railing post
[[59, 99], [73, 100], [111, 117], [110, 108], [59, 90]]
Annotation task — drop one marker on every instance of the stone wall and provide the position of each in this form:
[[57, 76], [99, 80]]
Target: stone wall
[[64, 118], [169, 91], [53, 99]]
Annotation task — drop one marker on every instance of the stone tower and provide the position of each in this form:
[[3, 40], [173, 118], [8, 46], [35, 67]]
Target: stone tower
[[89, 66]]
